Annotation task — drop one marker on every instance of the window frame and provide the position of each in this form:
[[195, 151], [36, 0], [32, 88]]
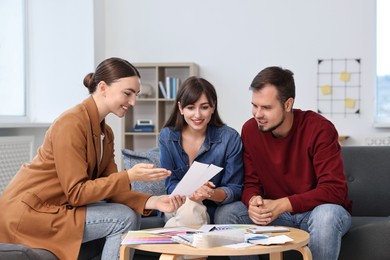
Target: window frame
[[382, 120]]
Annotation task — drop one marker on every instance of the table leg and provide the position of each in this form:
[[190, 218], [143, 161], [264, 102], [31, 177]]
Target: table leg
[[306, 253], [276, 256], [124, 253], [168, 257]]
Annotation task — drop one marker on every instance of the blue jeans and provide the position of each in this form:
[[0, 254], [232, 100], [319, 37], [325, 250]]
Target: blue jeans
[[326, 224], [109, 220]]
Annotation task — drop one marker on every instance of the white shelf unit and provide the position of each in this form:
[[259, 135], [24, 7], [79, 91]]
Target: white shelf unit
[[155, 106]]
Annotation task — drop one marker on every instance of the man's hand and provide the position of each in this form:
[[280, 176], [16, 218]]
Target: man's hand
[[278, 207], [258, 212], [147, 172], [264, 211]]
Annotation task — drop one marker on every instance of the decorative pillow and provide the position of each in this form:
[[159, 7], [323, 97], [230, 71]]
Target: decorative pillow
[[152, 156]]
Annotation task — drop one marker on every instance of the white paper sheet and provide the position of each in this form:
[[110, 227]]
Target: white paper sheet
[[282, 239], [196, 176]]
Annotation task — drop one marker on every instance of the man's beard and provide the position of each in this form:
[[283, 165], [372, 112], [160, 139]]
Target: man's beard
[[272, 128]]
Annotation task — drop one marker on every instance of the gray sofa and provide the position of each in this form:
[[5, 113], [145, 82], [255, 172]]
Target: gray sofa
[[368, 174], [367, 169], [88, 251]]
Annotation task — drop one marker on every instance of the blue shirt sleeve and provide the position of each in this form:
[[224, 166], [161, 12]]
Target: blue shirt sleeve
[[233, 176], [166, 160]]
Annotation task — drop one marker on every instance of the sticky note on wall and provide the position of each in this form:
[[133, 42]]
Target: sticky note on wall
[[350, 103], [345, 76], [326, 90]]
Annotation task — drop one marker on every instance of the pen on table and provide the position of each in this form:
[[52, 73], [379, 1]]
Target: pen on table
[[185, 239], [213, 229]]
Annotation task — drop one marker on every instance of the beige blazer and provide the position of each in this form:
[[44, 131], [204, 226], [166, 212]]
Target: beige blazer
[[44, 204]]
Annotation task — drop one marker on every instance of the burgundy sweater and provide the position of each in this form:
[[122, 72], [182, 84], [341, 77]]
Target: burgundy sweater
[[306, 166]]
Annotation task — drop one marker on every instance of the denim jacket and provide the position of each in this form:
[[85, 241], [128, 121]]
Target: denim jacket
[[221, 147]]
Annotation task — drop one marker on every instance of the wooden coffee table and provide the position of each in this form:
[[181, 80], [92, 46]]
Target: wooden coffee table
[[173, 251]]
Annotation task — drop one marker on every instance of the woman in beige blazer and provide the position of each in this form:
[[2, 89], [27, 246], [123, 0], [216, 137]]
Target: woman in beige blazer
[[72, 192]]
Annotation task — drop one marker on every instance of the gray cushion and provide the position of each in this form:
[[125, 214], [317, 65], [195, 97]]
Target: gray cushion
[[367, 170], [131, 158], [367, 241], [21, 252]]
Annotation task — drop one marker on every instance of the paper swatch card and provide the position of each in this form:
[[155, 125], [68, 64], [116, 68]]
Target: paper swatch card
[[196, 176], [142, 237], [267, 229]]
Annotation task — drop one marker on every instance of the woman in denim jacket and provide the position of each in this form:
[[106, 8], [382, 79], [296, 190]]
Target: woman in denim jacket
[[195, 132]]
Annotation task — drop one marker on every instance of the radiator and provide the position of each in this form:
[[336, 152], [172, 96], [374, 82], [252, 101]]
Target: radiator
[[14, 151]]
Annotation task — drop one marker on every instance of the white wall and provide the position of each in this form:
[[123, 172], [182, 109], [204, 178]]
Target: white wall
[[230, 40], [61, 53], [233, 40]]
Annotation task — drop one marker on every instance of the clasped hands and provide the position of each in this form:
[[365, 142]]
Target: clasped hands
[[264, 211]]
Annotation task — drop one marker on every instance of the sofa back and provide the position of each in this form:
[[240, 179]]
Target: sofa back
[[367, 169]]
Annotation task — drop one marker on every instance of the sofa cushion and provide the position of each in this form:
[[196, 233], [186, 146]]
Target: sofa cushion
[[21, 252], [366, 170], [131, 158], [366, 241]]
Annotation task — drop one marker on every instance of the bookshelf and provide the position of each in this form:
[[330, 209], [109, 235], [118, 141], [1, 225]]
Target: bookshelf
[[152, 105]]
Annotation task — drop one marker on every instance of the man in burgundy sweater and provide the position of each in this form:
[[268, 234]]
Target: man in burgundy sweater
[[294, 174]]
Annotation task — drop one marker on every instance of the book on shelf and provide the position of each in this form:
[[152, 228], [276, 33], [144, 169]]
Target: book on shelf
[[143, 128], [168, 86], [162, 89], [171, 86]]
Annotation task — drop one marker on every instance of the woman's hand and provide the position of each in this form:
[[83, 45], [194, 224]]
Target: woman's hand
[[165, 203], [204, 192], [147, 172]]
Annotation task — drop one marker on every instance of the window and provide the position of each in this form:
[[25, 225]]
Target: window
[[383, 63], [12, 62]]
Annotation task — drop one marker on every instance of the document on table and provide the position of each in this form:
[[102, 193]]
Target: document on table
[[196, 176], [274, 240], [267, 229]]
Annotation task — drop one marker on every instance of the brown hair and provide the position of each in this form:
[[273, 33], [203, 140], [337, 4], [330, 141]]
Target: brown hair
[[282, 79], [189, 92], [109, 71]]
